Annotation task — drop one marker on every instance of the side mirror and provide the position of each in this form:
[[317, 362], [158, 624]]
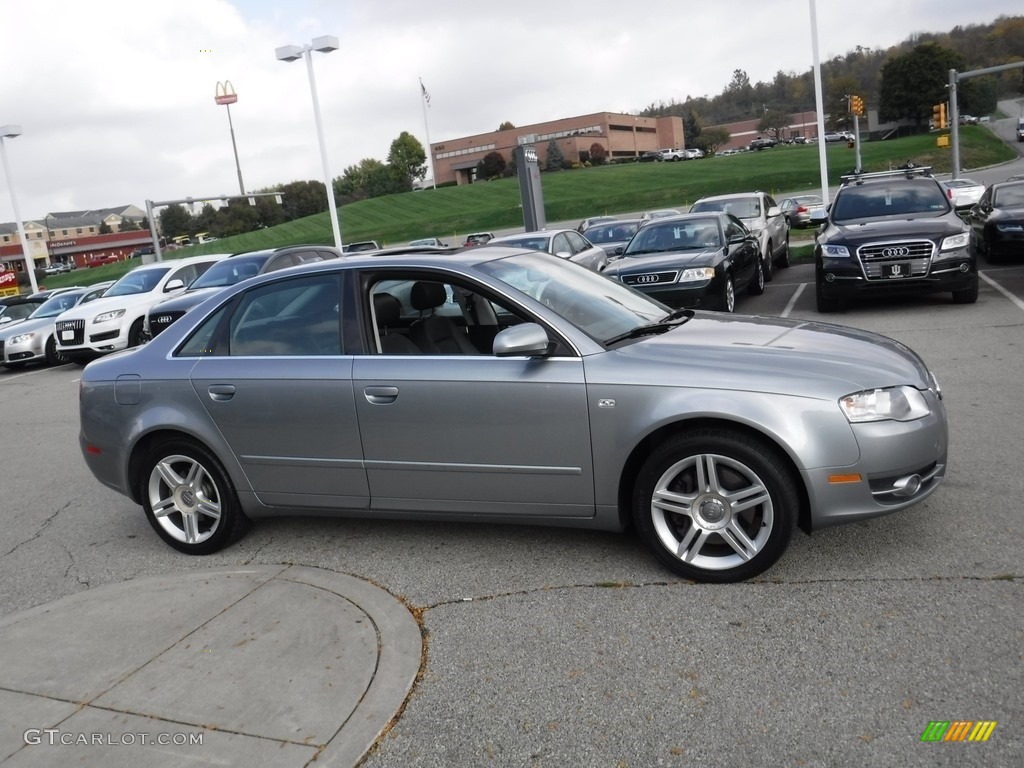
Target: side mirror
[[774, 211], [617, 250], [173, 285], [817, 215], [525, 340], [564, 255]]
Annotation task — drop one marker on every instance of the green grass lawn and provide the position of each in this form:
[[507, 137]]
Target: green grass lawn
[[576, 194]]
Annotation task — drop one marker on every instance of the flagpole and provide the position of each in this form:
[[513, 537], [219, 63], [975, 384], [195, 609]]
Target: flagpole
[[426, 127]]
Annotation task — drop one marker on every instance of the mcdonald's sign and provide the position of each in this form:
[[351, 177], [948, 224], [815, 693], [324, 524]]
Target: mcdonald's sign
[[225, 93]]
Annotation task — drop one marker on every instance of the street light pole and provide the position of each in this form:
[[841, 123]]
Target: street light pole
[[225, 94], [10, 132], [324, 44]]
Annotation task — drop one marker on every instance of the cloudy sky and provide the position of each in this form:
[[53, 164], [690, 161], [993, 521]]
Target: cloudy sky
[[116, 100]]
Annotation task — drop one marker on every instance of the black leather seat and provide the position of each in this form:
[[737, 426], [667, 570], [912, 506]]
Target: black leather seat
[[388, 311], [436, 334]]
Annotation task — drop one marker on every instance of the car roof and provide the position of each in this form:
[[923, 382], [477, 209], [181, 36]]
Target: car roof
[[731, 196]]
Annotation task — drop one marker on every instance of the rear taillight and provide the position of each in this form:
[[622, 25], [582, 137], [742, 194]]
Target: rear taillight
[[802, 209]]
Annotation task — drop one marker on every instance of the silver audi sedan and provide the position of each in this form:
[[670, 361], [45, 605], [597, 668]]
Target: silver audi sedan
[[504, 385]]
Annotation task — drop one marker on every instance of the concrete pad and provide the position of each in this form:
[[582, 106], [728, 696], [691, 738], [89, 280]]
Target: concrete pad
[[288, 662], [77, 647], [270, 665], [23, 715], [95, 737]]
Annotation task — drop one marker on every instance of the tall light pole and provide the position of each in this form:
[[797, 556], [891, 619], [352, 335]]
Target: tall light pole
[[10, 132], [225, 94], [324, 44]]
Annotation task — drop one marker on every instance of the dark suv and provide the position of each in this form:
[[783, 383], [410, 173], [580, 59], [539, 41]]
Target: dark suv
[[892, 232]]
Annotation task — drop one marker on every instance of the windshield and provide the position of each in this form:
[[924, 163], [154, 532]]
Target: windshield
[[740, 207], [598, 306], [533, 243], [229, 272], [1008, 197], [13, 312], [690, 235], [616, 232], [137, 281], [55, 305], [890, 199]]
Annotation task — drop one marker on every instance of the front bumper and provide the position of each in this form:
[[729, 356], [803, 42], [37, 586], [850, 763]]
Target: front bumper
[[25, 352], [845, 278], [901, 463], [702, 295], [88, 339]]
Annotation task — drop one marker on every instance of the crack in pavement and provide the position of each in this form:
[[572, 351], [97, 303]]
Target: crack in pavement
[[38, 533]]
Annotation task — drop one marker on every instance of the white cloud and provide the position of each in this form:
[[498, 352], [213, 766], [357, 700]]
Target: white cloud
[[117, 101]]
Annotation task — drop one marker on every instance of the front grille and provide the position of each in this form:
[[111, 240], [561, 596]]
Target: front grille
[[77, 329], [651, 278], [162, 321], [877, 257]]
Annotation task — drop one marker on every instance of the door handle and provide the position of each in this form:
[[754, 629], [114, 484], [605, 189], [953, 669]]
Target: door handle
[[222, 392], [381, 395]]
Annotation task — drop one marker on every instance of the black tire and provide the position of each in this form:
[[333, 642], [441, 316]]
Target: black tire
[[198, 517], [679, 505], [766, 259], [135, 336], [53, 356], [756, 287], [727, 295], [967, 295], [823, 303]]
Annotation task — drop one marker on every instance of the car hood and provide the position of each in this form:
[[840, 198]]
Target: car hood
[[933, 228], [183, 302], [26, 326], [105, 303], [768, 354], [629, 265]]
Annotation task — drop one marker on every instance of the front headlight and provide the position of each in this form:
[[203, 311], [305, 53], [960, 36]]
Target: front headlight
[[896, 403], [835, 251], [22, 339], [106, 316], [698, 274], [955, 241]]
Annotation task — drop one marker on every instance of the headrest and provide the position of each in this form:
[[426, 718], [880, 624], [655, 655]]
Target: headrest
[[427, 296], [386, 308]]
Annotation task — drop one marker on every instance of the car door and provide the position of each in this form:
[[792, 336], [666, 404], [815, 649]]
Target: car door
[[777, 224], [586, 253], [472, 433], [743, 249], [280, 392]]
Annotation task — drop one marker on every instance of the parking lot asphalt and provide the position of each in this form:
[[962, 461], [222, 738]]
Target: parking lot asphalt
[[536, 646]]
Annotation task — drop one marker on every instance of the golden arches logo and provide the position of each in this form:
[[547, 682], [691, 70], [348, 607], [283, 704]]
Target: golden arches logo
[[225, 93]]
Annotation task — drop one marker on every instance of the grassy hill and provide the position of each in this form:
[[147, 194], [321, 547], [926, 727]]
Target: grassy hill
[[572, 195]]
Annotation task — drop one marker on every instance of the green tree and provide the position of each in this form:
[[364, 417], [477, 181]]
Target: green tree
[[238, 217], [408, 159], [911, 84], [506, 126], [353, 183], [774, 123], [174, 221], [104, 228], [301, 198], [492, 166], [711, 139], [692, 126], [555, 156]]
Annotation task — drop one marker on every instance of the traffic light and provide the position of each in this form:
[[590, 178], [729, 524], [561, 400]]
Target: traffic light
[[857, 105], [939, 115]]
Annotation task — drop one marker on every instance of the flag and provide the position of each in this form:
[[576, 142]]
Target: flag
[[426, 96]]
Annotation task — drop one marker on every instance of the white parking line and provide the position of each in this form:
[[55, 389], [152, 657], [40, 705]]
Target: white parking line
[[792, 301], [998, 287], [29, 372]]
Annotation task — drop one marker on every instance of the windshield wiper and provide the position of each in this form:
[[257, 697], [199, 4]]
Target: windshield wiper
[[672, 320]]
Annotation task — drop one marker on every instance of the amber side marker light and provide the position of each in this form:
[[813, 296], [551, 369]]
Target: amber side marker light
[[839, 479]]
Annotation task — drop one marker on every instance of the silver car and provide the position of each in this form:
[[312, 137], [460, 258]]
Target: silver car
[[564, 243], [504, 385]]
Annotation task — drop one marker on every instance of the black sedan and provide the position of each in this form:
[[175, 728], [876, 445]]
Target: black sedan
[[997, 221], [693, 260]]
